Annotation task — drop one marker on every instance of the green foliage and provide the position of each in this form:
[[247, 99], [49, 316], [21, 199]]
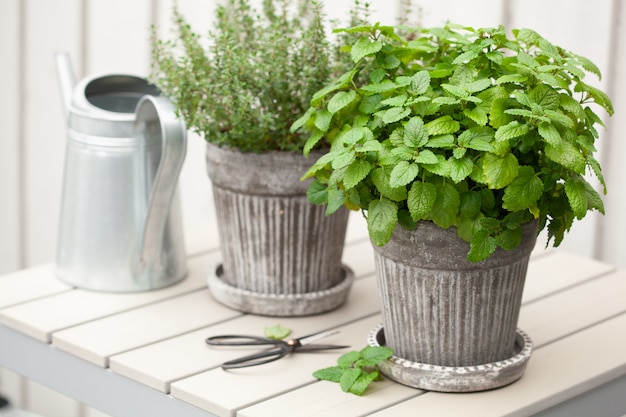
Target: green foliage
[[278, 331], [357, 369], [462, 127], [246, 84]]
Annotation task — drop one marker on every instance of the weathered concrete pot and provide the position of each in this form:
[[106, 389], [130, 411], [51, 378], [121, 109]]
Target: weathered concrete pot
[[440, 309], [281, 254]]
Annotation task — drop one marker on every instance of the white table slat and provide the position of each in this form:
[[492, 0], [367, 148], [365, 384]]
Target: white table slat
[[579, 307], [325, 399], [159, 364], [357, 227], [97, 340], [71, 308], [556, 270], [224, 392], [579, 364], [29, 284]]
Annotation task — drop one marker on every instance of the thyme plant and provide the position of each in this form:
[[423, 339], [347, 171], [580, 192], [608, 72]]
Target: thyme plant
[[463, 127], [245, 84]]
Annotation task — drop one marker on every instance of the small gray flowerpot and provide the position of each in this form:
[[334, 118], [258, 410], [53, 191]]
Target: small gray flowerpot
[[440, 310], [281, 254]]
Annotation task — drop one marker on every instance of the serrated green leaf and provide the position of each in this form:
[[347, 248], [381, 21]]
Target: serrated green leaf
[[545, 96], [524, 191], [382, 87], [594, 201], [567, 155], [322, 120], [395, 101], [364, 47], [415, 134], [588, 65], [509, 239], [460, 168], [348, 359], [369, 104], [442, 126], [459, 153], [343, 159], [477, 115], [340, 100], [478, 85], [382, 217], [549, 133], [560, 118], [332, 374], [373, 355], [421, 199], [356, 172], [511, 130], [403, 173], [391, 62], [420, 82], [394, 114], [442, 141], [381, 180], [500, 171], [336, 199], [465, 57], [363, 381], [316, 193], [446, 101], [471, 203], [512, 78], [441, 168], [302, 120], [455, 90], [482, 246], [348, 378], [577, 196], [312, 141], [446, 207], [427, 157], [277, 332], [351, 136]]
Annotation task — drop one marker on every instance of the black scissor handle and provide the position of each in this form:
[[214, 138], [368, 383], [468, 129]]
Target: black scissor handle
[[238, 340]]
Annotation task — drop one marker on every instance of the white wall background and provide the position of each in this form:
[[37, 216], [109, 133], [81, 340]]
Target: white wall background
[[113, 36]]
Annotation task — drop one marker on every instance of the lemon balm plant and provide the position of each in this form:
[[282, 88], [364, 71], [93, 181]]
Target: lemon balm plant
[[461, 127]]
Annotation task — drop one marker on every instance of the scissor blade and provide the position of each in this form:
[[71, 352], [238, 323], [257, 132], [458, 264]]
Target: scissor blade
[[320, 347], [316, 336]]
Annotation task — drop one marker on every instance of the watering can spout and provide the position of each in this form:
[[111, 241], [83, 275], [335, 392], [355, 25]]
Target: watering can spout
[[67, 81]]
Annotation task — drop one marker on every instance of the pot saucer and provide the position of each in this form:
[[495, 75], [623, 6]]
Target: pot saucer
[[280, 305], [456, 379]]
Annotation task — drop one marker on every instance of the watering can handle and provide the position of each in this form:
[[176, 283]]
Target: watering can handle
[[159, 111]]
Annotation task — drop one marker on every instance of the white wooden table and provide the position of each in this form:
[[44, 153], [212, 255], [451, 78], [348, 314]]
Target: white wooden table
[[144, 354]]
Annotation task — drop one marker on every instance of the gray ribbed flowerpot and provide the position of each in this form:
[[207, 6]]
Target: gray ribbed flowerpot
[[440, 309], [281, 254]]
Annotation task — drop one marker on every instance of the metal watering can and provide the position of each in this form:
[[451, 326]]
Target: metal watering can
[[120, 228]]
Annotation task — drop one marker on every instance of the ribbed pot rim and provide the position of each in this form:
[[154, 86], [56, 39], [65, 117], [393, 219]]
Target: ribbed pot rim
[[432, 247], [238, 171]]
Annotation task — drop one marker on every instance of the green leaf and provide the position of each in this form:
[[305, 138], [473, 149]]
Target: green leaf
[[427, 157], [332, 374], [482, 246], [510, 131], [322, 120], [421, 199], [594, 201], [478, 85], [348, 378], [567, 155], [356, 172], [340, 100], [369, 104], [382, 87], [455, 90], [336, 199], [471, 202], [460, 168], [500, 171], [395, 101], [343, 159], [477, 115], [577, 196], [415, 134], [442, 125], [363, 381], [382, 217], [403, 173], [302, 120], [446, 207], [348, 359], [394, 114], [524, 191], [549, 133], [277, 332], [316, 193], [381, 180], [545, 96], [442, 141], [364, 47], [373, 355], [420, 82], [312, 141], [509, 239]]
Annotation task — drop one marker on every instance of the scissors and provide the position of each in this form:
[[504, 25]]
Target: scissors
[[280, 348]]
